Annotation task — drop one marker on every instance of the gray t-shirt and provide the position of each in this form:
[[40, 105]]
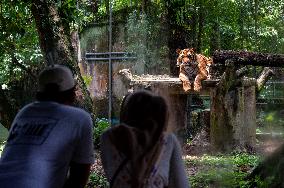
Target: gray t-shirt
[[170, 170], [44, 138]]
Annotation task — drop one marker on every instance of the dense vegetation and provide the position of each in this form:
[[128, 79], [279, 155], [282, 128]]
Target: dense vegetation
[[207, 25]]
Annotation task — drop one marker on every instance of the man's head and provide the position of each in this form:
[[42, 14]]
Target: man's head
[[56, 83]]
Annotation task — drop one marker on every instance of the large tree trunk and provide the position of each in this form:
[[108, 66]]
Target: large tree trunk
[[7, 112], [192, 42], [176, 36], [200, 26], [241, 23], [56, 46], [233, 118], [215, 38]]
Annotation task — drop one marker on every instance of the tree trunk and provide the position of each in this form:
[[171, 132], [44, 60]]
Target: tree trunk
[[94, 5], [7, 113], [75, 42], [200, 27], [233, 117], [176, 36], [263, 78], [193, 23], [241, 23], [215, 38], [56, 46], [144, 6], [249, 58], [255, 18], [107, 4]]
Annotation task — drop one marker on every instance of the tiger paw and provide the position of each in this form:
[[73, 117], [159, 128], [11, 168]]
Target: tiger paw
[[186, 86], [197, 88]]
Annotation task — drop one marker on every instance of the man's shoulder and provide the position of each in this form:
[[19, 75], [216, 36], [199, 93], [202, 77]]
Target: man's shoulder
[[73, 109], [55, 106], [75, 112]]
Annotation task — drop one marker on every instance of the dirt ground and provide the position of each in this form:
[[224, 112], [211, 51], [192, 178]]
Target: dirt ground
[[200, 145]]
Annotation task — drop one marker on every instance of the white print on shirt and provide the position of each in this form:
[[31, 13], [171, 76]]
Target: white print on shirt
[[30, 130]]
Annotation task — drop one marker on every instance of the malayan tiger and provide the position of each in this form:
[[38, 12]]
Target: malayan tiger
[[193, 68]]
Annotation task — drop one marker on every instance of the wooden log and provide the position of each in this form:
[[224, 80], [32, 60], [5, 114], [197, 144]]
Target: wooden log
[[249, 58], [172, 84], [264, 77]]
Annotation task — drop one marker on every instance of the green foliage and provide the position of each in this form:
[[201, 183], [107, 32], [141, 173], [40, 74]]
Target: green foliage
[[223, 170], [18, 38], [270, 117], [3, 133], [87, 79], [218, 178], [144, 40], [118, 5], [239, 24], [97, 180], [259, 183], [100, 126], [137, 28]]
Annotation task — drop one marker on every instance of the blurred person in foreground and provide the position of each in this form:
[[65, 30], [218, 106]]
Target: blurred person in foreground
[[50, 142], [139, 153]]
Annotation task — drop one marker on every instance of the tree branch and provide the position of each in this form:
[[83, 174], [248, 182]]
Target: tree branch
[[264, 77]]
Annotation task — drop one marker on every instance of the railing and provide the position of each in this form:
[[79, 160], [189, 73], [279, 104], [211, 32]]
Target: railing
[[109, 57], [273, 93], [101, 57]]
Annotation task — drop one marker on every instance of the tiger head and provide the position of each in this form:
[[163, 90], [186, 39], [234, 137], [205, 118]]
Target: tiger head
[[186, 56]]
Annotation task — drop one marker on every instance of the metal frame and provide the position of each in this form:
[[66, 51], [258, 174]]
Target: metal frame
[[109, 56], [106, 56], [110, 65]]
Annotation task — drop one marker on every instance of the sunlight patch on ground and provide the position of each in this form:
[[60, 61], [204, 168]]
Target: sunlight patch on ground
[[190, 157], [3, 133], [3, 137]]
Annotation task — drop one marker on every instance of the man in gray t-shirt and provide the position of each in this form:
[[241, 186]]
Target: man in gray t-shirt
[[50, 142]]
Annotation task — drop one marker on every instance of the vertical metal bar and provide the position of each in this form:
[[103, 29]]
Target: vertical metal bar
[[110, 66]]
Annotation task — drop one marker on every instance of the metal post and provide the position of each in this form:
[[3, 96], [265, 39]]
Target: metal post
[[110, 65], [188, 114]]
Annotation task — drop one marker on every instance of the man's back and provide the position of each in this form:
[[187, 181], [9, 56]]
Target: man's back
[[44, 138]]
